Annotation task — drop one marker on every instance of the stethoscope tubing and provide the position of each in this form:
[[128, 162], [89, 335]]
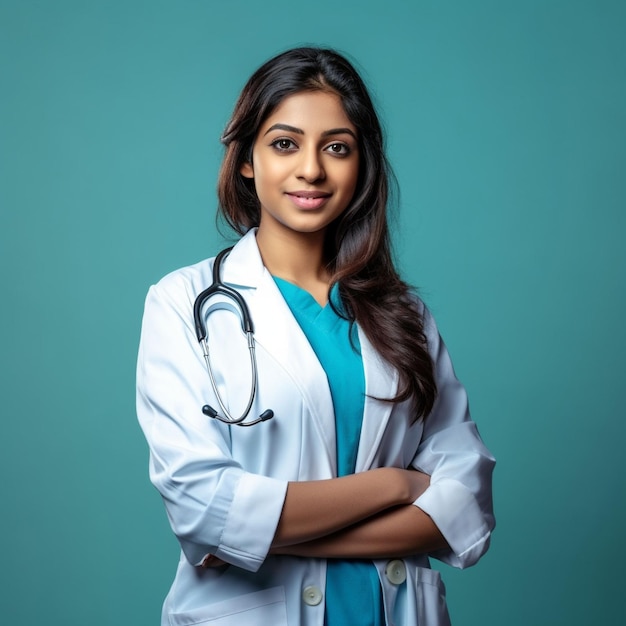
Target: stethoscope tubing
[[218, 287], [215, 288]]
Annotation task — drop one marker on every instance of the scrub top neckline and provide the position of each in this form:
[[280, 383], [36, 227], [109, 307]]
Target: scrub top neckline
[[309, 307]]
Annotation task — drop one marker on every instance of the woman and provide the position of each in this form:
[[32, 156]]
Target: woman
[[327, 512]]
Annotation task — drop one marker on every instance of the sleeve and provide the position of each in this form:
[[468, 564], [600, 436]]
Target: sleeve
[[459, 499], [213, 505]]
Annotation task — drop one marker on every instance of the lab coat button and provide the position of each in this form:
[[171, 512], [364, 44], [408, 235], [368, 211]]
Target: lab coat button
[[396, 572], [312, 595]]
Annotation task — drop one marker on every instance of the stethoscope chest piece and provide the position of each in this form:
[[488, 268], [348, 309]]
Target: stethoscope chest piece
[[219, 288]]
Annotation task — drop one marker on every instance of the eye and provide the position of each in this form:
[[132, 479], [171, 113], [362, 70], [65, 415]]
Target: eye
[[338, 149], [284, 145]]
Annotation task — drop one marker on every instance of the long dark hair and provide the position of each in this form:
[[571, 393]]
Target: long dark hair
[[358, 249]]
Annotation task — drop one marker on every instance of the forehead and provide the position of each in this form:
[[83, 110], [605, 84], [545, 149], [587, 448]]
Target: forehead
[[310, 111]]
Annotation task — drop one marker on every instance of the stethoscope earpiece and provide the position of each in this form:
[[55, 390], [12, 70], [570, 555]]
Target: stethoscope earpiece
[[218, 287]]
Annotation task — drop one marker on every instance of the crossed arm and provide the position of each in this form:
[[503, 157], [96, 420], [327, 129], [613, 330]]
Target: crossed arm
[[367, 515]]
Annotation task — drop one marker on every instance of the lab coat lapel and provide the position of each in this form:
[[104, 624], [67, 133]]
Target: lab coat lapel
[[277, 331], [381, 381]]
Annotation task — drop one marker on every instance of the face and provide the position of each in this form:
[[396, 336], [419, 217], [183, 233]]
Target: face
[[305, 164]]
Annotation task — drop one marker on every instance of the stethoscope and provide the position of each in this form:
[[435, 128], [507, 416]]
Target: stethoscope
[[218, 287]]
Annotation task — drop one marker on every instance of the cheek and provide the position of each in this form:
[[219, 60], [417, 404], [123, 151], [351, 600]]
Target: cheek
[[352, 178], [269, 174]]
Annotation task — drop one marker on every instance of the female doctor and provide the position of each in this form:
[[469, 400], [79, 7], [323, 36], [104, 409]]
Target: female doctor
[[328, 512]]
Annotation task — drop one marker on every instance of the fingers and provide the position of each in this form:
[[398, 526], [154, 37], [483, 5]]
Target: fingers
[[210, 560]]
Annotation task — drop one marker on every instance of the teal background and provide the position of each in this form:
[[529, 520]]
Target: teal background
[[506, 130]]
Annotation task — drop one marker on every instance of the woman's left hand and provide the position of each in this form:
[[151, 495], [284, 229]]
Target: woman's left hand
[[210, 560]]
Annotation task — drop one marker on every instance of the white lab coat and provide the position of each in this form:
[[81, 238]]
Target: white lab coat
[[224, 486]]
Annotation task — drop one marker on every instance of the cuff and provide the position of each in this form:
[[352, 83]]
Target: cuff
[[252, 520], [455, 511]]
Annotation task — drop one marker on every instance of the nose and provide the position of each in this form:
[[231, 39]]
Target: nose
[[310, 166]]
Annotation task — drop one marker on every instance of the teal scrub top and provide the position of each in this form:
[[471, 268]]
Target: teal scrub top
[[353, 593]]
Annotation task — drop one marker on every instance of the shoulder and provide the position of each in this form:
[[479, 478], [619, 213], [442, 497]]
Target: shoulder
[[419, 306], [173, 296], [186, 279], [179, 289], [242, 264], [429, 325]]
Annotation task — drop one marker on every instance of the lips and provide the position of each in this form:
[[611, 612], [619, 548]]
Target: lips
[[308, 199]]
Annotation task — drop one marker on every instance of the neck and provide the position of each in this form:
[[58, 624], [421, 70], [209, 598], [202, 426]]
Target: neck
[[297, 258]]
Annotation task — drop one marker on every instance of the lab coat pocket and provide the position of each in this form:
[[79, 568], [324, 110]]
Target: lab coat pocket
[[261, 607], [430, 597]]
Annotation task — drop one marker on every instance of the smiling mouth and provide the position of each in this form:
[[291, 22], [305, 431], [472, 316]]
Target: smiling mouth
[[309, 199]]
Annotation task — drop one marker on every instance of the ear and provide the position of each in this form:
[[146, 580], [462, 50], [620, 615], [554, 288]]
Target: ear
[[247, 170]]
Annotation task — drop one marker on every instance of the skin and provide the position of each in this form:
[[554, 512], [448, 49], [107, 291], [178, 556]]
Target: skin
[[309, 147], [306, 146]]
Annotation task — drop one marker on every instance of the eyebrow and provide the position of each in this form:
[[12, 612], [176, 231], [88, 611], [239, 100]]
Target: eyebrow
[[299, 131]]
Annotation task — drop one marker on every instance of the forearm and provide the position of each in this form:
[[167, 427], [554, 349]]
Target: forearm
[[315, 509], [402, 531]]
